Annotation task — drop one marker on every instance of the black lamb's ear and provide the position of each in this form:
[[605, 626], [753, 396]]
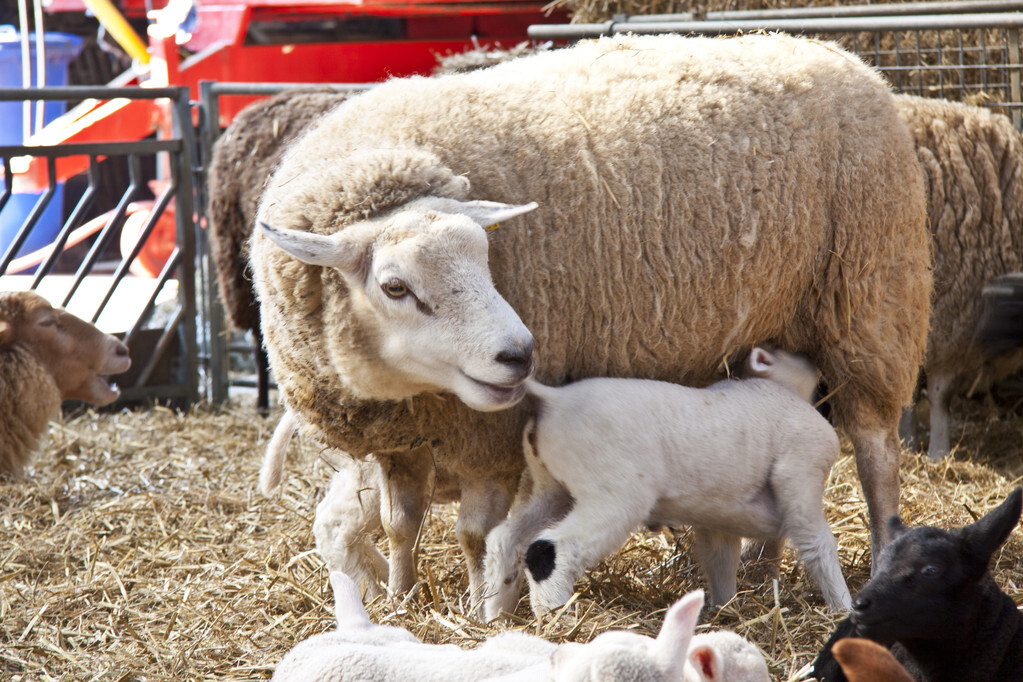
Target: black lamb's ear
[[896, 527], [982, 538]]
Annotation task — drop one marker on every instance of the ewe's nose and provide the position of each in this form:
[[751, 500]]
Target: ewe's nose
[[120, 349], [518, 357]]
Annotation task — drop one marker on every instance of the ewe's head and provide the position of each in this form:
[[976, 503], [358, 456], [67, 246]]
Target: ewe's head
[[420, 289], [76, 354], [929, 581]]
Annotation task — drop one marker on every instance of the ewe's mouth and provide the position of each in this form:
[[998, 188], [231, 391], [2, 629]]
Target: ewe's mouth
[[104, 390], [501, 393]]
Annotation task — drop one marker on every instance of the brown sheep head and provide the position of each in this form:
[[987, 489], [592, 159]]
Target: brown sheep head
[[76, 354]]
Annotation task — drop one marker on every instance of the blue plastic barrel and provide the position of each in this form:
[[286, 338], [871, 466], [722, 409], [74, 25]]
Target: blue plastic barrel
[[60, 49]]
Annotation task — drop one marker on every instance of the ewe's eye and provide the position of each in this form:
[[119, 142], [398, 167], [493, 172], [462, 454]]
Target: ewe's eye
[[394, 288]]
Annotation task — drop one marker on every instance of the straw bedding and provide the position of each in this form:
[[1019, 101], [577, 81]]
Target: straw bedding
[[139, 549]]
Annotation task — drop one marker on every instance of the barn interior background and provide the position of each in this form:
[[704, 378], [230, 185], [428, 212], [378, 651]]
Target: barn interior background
[[139, 547]]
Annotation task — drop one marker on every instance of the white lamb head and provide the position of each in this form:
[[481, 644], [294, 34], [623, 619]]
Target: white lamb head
[[675, 655], [421, 290]]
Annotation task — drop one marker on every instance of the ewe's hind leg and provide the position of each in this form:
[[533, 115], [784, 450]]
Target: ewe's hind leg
[[590, 532], [718, 554], [939, 395], [404, 498], [345, 521], [484, 503], [539, 502]]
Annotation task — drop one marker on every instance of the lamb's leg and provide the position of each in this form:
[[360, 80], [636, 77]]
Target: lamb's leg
[[404, 498], [540, 501], [819, 553], [803, 522], [718, 554], [483, 504], [766, 553], [939, 395], [590, 532], [345, 521]]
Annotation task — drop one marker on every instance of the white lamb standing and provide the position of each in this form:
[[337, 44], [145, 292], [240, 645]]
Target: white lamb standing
[[740, 458], [360, 650]]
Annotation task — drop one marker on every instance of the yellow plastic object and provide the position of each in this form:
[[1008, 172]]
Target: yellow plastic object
[[119, 28]]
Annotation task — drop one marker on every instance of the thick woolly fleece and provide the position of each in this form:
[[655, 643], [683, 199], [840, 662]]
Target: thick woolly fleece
[[29, 396], [973, 169], [697, 196]]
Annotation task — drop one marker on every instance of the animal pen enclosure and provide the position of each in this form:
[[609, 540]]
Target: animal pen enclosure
[[140, 549], [99, 261]]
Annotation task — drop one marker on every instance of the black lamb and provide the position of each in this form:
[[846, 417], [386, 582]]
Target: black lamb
[[934, 602]]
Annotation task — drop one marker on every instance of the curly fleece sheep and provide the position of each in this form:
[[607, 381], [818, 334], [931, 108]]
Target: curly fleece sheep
[[47, 355], [973, 168], [697, 196]]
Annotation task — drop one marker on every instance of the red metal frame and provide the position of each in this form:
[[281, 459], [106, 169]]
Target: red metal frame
[[219, 52]]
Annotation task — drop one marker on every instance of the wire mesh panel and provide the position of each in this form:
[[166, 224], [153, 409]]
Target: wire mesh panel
[[976, 66], [972, 56], [115, 243]]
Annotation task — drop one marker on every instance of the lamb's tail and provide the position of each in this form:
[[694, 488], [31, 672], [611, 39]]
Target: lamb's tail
[[273, 460]]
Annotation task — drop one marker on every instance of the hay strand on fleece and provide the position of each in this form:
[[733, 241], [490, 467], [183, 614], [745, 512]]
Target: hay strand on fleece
[[140, 548]]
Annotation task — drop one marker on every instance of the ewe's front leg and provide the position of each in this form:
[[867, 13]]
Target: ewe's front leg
[[345, 520], [877, 463], [484, 504], [404, 498], [718, 554], [540, 501]]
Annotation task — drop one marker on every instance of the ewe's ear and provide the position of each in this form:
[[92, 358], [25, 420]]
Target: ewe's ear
[[677, 631], [6, 332], [983, 538], [706, 661], [336, 250], [348, 609], [487, 213]]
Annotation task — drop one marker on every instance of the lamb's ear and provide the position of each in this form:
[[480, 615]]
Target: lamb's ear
[[348, 609], [6, 332], [706, 660], [896, 527], [760, 361], [336, 250], [488, 213], [677, 632], [982, 538]]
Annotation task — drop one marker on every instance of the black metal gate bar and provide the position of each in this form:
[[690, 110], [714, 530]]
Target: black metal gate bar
[[181, 384], [216, 340]]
